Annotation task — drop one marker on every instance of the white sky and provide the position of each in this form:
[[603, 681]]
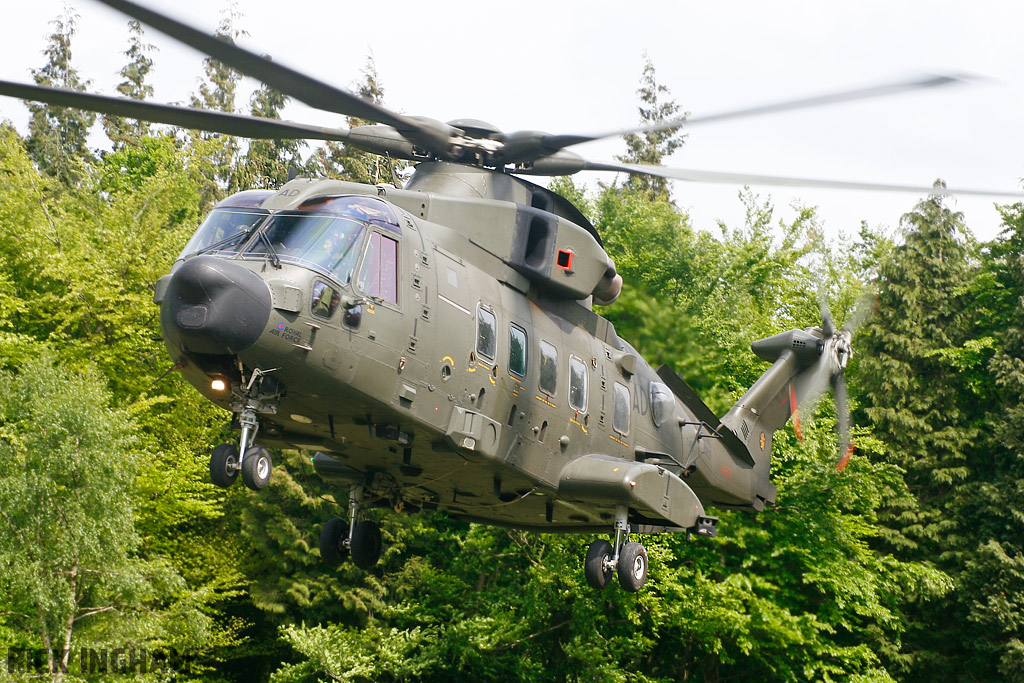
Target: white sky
[[574, 66]]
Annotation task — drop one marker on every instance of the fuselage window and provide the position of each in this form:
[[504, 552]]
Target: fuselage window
[[662, 403], [548, 368], [224, 230], [486, 333], [379, 275], [620, 419], [325, 299], [577, 384], [517, 350]]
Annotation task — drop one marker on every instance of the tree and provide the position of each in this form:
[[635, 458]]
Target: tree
[[216, 153], [652, 147], [921, 387], [69, 551], [58, 136], [267, 163], [338, 160], [122, 131]]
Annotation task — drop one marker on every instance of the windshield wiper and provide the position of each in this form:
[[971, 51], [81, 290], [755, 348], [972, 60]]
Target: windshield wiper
[[275, 260], [240, 236]]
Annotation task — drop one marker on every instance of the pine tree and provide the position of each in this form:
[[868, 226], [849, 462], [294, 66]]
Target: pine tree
[[919, 360], [992, 581], [120, 130], [218, 91], [656, 106], [58, 136], [267, 162], [337, 160]]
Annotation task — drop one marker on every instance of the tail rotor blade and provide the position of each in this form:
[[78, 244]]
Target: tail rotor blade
[[826, 313], [843, 422]]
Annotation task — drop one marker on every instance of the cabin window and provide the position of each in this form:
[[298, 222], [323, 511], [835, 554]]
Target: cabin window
[[486, 333], [548, 368], [379, 275], [620, 418], [224, 230], [517, 350], [662, 403], [325, 299], [577, 384]]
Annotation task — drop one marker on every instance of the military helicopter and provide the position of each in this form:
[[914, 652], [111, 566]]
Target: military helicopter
[[435, 345]]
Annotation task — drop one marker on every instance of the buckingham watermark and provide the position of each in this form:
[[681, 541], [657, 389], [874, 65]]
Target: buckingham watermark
[[122, 660]]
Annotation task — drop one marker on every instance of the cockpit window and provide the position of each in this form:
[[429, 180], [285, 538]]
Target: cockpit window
[[224, 230], [369, 209], [379, 275], [324, 242]]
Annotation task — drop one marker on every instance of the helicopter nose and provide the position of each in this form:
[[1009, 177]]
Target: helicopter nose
[[214, 306]]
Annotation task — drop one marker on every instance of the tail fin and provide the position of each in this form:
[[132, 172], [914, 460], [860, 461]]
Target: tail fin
[[803, 365]]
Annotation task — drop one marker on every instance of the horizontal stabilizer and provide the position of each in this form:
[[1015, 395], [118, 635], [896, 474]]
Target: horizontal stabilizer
[[692, 401]]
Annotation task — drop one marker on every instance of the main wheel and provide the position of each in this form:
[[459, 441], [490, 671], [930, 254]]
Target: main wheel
[[224, 465], [597, 567], [256, 467], [332, 542], [632, 567], [365, 547]]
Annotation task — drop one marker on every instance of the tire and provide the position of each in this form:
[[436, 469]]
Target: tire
[[332, 542], [632, 567], [223, 465], [366, 544], [599, 554], [256, 468]]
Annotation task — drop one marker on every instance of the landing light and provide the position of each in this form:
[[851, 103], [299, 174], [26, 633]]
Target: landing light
[[218, 385]]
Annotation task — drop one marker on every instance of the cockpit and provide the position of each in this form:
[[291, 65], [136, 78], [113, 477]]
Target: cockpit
[[324, 234]]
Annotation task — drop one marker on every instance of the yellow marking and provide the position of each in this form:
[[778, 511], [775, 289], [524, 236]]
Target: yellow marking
[[493, 383], [449, 359], [618, 440], [485, 366], [470, 369], [616, 469], [369, 309], [545, 401], [579, 424]]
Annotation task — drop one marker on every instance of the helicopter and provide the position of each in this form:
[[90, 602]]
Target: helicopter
[[435, 347]]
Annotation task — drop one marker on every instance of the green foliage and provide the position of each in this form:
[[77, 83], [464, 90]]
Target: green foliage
[[652, 146], [69, 552], [57, 140], [337, 160], [123, 131]]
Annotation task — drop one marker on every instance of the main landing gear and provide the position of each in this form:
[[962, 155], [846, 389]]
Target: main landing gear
[[627, 558], [253, 462], [340, 539]]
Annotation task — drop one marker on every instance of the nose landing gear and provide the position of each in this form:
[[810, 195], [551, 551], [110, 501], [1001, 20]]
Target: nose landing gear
[[253, 462], [627, 558]]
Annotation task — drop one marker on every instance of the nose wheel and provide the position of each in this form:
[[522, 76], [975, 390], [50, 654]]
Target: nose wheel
[[253, 462], [626, 558]]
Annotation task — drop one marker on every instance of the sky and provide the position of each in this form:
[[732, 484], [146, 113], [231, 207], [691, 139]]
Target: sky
[[574, 67]]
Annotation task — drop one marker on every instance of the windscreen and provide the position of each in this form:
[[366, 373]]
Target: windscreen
[[325, 242], [224, 230]]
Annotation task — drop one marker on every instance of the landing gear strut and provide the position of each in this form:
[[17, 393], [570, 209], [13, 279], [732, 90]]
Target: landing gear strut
[[340, 539], [253, 462], [627, 558]]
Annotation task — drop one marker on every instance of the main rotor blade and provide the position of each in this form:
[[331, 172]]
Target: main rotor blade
[[186, 117], [698, 176], [433, 136], [870, 92], [528, 145]]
